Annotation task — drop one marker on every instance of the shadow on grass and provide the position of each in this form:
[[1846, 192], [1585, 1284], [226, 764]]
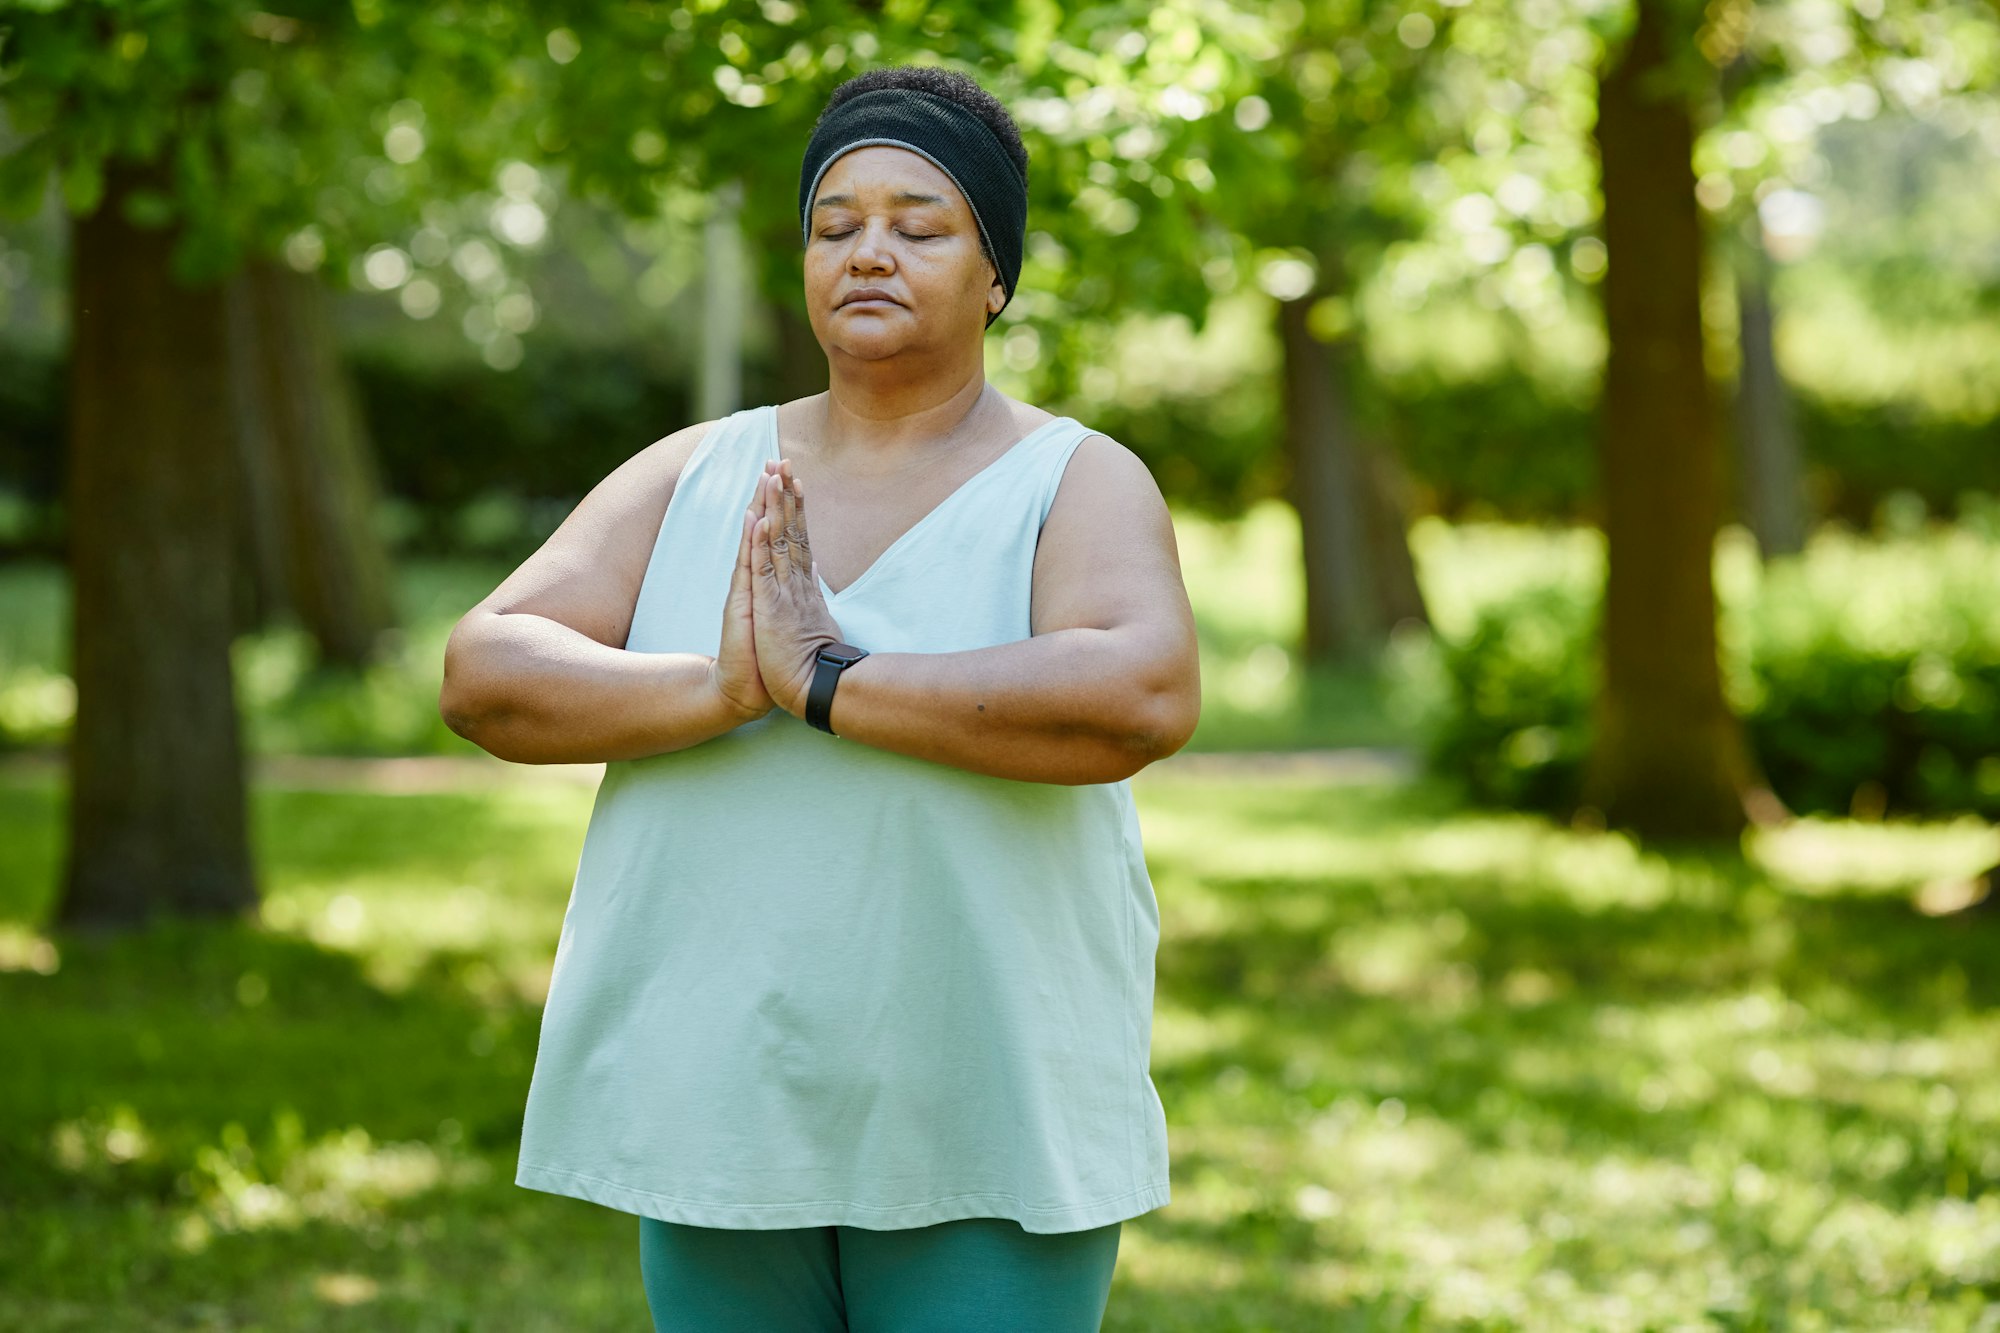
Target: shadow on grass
[[1422, 1067], [1394, 1025], [219, 1126], [223, 1125]]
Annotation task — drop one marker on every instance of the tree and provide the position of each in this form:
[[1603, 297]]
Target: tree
[[308, 484], [156, 808], [188, 141], [1669, 758]]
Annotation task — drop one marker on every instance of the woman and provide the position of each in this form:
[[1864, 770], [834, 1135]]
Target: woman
[[852, 1002]]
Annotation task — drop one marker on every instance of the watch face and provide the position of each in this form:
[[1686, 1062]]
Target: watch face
[[842, 654]]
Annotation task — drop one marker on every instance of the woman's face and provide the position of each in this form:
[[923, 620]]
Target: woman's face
[[888, 218]]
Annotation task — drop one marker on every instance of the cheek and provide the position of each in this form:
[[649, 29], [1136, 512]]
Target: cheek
[[945, 266]]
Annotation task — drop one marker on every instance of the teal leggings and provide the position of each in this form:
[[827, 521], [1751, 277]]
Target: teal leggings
[[976, 1275]]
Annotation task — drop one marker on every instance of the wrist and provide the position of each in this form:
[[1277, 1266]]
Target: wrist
[[734, 713], [833, 662]]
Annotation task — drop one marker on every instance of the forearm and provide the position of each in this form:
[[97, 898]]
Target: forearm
[[1073, 706], [532, 690]]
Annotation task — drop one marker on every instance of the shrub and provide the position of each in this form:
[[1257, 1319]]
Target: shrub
[[1866, 673]]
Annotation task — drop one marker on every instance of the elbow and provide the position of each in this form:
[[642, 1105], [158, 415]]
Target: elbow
[[1167, 721], [460, 703], [484, 725], [459, 712]]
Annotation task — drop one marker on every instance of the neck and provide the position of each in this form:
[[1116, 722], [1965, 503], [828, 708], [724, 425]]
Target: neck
[[877, 409]]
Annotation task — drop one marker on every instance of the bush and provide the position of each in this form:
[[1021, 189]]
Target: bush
[[1867, 674], [1519, 687]]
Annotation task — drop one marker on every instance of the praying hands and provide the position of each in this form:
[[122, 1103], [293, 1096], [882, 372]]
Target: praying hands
[[775, 620]]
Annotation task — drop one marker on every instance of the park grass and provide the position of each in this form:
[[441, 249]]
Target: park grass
[[1423, 1068]]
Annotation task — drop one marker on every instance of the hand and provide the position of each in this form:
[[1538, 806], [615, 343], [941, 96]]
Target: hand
[[734, 670], [789, 616]]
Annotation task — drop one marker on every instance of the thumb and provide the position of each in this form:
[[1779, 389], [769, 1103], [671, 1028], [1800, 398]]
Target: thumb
[[739, 578]]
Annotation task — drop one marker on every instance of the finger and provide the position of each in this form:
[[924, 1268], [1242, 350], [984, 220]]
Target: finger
[[802, 555], [774, 515], [760, 549], [739, 579]]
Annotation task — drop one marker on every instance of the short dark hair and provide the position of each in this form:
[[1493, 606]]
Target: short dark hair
[[946, 83]]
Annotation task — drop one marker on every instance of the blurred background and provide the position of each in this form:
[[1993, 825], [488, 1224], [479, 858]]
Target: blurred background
[[1582, 424]]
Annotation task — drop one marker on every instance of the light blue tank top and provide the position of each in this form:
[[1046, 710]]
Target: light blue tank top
[[805, 982]]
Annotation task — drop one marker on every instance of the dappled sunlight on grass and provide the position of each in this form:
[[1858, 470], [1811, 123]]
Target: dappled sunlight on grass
[[473, 884], [228, 1125], [1513, 1073], [1822, 856], [343, 1178], [1422, 1068]]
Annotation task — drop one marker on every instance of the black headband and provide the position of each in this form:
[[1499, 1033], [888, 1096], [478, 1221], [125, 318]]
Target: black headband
[[955, 140]]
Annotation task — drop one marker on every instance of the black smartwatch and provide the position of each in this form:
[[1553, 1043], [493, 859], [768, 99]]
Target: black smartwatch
[[833, 659]]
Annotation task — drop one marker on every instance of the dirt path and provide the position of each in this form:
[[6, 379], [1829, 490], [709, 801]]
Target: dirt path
[[426, 773]]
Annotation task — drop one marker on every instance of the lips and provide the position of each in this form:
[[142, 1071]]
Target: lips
[[868, 294]]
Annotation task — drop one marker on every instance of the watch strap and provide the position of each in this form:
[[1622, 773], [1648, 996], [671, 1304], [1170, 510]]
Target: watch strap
[[827, 666]]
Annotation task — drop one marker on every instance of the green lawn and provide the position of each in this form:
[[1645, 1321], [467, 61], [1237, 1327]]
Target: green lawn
[[1422, 1069]]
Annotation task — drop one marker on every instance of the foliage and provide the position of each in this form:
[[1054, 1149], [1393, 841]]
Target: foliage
[[1423, 1068], [1521, 686], [1867, 673]]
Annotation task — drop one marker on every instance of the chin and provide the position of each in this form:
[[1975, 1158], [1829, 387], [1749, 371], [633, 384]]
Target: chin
[[870, 349], [870, 330]]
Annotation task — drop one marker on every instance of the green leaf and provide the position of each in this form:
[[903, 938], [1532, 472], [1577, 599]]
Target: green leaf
[[24, 175], [83, 185], [149, 208]]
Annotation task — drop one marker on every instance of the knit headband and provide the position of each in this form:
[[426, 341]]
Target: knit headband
[[955, 140]]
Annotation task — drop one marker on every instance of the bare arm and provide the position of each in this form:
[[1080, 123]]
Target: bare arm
[[538, 673], [1110, 679]]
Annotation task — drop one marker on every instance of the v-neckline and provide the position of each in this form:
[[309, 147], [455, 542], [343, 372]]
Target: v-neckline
[[909, 533]]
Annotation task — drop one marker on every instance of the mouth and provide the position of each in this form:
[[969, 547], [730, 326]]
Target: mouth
[[866, 298]]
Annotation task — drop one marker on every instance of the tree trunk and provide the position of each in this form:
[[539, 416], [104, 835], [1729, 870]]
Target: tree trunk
[[1669, 759], [1386, 501], [310, 488], [156, 820], [1767, 437], [722, 297], [801, 370], [1344, 623]]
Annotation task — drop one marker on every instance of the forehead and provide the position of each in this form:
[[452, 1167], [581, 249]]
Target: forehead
[[874, 175]]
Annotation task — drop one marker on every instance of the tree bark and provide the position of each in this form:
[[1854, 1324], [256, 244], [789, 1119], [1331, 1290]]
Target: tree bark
[[723, 293], [801, 370], [1386, 511], [156, 819], [1767, 437], [1344, 623], [1669, 759], [310, 489]]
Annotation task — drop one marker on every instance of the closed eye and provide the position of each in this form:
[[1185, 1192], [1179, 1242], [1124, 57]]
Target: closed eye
[[912, 235]]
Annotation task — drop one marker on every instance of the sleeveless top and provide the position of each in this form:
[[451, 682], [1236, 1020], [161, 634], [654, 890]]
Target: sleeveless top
[[802, 981]]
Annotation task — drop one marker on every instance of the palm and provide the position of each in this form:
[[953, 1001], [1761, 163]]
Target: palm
[[737, 673]]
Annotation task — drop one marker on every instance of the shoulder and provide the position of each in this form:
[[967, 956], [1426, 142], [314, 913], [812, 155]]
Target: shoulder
[[1106, 496], [631, 501], [1098, 468], [651, 474], [668, 456], [1102, 469], [1107, 552]]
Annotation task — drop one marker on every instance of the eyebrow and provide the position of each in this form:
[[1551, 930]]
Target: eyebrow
[[900, 197]]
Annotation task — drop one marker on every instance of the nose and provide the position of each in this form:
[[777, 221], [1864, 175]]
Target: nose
[[869, 254]]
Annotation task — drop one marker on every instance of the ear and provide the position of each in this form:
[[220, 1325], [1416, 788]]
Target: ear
[[996, 293]]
